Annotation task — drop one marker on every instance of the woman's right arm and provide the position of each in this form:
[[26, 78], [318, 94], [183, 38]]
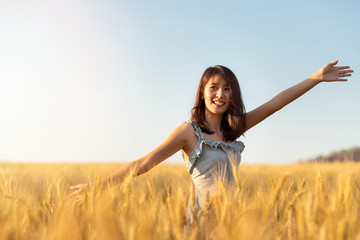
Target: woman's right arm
[[328, 73], [174, 142]]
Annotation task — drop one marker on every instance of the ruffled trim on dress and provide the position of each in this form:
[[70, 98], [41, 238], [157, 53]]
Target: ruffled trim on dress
[[235, 146]]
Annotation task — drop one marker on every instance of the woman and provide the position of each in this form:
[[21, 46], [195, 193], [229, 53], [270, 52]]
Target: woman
[[208, 140]]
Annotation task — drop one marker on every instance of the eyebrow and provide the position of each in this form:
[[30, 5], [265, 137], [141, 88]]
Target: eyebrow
[[216, 83]]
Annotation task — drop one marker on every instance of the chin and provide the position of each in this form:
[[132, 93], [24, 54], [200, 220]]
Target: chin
[[217, 112]]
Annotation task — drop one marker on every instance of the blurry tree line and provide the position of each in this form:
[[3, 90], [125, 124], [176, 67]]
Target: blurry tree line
[[352, 154]]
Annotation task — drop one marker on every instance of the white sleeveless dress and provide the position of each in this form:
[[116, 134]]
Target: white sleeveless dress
[[209, 162]]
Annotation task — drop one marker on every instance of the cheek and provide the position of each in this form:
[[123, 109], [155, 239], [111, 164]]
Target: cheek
[[207, 99], [228, 96], [207, 95]]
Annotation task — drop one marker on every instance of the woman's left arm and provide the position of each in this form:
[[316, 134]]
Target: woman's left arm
[[328, 73]]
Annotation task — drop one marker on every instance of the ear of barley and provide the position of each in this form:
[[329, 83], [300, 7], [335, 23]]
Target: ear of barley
[[290, 191], [348, 195], [340, 189], [320, 183], [151, 189], [58, 193], [235, 172], [291, 224], [272, 183], [278, 189], [302, 186]]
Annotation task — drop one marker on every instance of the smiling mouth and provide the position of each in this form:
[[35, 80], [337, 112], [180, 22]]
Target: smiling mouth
[[218, 103]]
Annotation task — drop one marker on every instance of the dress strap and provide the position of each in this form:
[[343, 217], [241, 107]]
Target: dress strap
[[197, 130]]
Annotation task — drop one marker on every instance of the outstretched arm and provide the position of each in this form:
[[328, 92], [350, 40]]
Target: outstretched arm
[[328, 73], [175, 141]]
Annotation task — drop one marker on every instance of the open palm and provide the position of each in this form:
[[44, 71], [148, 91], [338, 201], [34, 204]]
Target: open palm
[[330, 72]]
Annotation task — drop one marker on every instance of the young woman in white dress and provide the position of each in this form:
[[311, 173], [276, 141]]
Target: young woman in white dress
[[208, 140]]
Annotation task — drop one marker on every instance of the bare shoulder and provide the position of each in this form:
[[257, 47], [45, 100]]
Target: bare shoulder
[[188, 138], [184, 135], [184, 130]]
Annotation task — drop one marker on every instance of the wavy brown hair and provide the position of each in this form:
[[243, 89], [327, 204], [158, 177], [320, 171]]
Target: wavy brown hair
[[233, 120]]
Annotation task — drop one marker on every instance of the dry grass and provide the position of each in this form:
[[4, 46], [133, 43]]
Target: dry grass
[[300, 201]]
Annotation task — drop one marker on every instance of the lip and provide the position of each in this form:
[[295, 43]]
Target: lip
[[218, 103]]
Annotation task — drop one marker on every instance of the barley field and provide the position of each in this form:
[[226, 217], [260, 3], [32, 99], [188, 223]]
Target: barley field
[[298, 201]]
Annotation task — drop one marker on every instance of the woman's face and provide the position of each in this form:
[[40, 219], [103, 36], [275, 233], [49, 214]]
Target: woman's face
[[217, 95]]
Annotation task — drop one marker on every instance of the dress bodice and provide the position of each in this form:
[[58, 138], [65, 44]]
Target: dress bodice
[[212, 156], [211, 161]]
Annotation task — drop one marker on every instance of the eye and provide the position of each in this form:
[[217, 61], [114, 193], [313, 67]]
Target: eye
[[212, 87], [227, 89]]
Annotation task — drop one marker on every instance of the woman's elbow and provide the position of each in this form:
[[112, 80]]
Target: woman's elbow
[[276, 106], [144, 165]]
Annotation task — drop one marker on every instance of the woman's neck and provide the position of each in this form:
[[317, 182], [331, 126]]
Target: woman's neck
[[213, 121]]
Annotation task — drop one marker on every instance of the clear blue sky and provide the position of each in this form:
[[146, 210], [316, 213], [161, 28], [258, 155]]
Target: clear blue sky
[[109, 80]]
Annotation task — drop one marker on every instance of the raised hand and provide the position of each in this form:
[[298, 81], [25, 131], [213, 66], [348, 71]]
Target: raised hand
[[332, 73], [78, 192]]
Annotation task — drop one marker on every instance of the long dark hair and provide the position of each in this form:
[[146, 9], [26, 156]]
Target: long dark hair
[[233, 120]]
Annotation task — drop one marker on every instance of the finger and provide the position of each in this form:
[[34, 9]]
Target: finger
[[71, 195], [346, 71], [67, 197], [333, 63], [75, 193], [79, 202], [339, 79], [342, 67], [345, 75], [74, 188]]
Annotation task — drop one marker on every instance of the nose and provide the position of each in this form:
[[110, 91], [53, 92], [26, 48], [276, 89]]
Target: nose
[[220, 93]]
